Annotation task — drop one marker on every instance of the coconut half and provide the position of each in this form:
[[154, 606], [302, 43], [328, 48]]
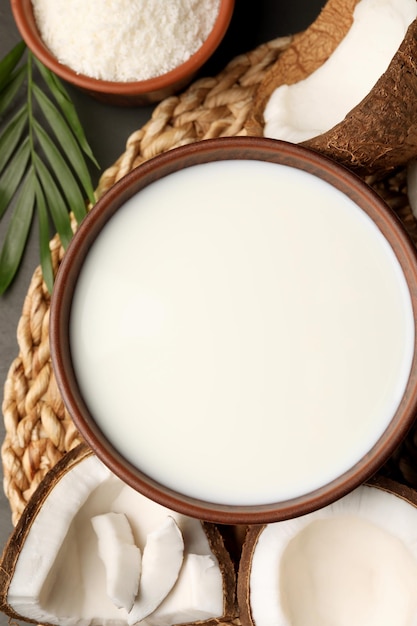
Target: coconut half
[[88, 549], [352, 562], [347, 86]]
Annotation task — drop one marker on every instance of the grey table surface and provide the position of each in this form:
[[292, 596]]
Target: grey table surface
[[107, 129]]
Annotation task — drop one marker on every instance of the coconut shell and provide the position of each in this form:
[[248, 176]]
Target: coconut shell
[[217, 546], [245, 566], [380, 133], [395, 488], [17, 539], [306, 53]]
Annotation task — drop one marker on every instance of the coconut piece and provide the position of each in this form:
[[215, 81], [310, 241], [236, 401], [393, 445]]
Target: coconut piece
[[60, 551], [121, 557], [380, 132], [352, 562], [194, 595], [191, 598], [161, 563]]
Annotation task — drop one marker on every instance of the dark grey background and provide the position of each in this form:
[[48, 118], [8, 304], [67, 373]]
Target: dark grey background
[[107, 129]]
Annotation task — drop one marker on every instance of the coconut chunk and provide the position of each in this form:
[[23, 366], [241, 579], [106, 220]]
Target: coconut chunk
[[161, 563], [121, 557], [195, 596]]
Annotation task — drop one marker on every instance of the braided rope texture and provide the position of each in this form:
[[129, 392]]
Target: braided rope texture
[[39, 431]]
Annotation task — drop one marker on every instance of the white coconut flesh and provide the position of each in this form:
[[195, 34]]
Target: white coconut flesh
[[312, 106], [81, 565], [164, 545], [353, 562], [119, 553], [196, 587]]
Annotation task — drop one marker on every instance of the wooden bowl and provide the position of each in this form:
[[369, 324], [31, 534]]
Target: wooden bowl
[[209, 341], [123, 93]]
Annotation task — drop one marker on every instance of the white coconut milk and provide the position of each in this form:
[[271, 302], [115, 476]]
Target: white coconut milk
[[242, 332]]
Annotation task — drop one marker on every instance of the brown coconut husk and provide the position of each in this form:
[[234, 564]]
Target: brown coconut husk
[[227, 568], [243, 582], [405, 492], [380, 133]]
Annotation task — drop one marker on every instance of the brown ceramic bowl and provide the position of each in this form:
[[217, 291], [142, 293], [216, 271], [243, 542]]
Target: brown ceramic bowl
[[178, 360], [123, 93]]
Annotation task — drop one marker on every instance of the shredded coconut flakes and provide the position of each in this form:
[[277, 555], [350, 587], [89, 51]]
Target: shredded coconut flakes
[[124, 40]]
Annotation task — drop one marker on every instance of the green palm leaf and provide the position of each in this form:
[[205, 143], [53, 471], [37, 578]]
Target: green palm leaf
[[17, 231], [44, 237], [56, 203], [63, 173], [9, 62], [10, 91], [66, 138], [38, 174], [13, 174], [11, 135], [67, 107]]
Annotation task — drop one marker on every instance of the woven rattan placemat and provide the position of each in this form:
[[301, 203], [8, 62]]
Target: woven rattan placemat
[[39, 431]]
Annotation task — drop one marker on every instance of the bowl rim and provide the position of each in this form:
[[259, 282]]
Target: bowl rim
[[24, 17], [225, 148]]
